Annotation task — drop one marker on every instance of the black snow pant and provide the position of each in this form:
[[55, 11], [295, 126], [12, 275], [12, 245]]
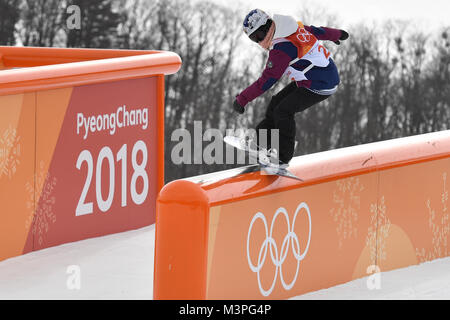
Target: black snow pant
[[280, 115]]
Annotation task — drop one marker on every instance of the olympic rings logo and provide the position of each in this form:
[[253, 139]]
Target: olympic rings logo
[[278, 257], [303, 35]]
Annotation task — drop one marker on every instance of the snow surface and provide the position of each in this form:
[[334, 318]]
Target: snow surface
[[120, 266], [430, 280]]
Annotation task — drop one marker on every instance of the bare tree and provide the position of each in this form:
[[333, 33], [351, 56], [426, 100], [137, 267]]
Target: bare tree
[[41, 21], [9, 16], [99, 24]]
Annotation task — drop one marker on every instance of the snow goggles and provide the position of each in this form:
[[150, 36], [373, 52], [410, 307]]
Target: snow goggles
[[261, 33]]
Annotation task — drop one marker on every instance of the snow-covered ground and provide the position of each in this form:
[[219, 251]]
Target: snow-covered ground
[[429, 280], [120, 266]]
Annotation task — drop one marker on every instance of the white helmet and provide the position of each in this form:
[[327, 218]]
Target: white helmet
[[254, 20]]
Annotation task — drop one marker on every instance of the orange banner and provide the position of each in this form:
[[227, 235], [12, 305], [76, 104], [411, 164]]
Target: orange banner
[[81, 144], [359, 210]]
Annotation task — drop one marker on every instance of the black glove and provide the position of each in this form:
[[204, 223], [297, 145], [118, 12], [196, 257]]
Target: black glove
[[344, 36], [237, 107]]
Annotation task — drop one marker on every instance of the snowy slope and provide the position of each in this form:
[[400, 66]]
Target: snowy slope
[[429, 280], [120, 266]]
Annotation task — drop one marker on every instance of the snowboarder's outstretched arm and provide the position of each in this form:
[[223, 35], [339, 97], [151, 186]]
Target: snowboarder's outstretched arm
[[276, 65], [330, 34]]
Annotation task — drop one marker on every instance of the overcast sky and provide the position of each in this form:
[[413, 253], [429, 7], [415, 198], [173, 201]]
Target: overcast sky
[[432, 13]]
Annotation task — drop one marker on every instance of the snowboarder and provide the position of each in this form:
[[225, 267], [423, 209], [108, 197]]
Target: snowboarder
[[295, 51]]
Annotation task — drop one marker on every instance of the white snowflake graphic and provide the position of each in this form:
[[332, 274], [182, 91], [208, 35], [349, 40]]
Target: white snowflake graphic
[[41, 209], [378, 231], [439, 224], [10, 151], [347, 200]]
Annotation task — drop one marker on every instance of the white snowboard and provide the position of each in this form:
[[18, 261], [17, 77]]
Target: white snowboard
[[266, 162]]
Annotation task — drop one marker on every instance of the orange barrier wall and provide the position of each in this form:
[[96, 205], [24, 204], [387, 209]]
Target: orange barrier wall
[[81, 143], [235, 235]]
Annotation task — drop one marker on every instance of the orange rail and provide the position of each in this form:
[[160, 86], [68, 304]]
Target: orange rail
[[81, 143], [242, 235], [51, 68]]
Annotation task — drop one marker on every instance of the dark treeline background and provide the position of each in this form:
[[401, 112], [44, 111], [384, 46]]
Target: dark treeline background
[[395, 79]]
